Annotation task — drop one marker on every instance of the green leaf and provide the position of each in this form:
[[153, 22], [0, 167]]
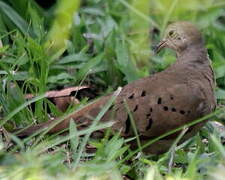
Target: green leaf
[[220, 93], [89, 67], [15, 18], [220, 71], [62, 77], [74, 140], [124, 61], [60, 30], [81, 57]]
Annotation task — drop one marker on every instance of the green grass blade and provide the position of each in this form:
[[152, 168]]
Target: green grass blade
[[171, 132], [60, 30], [14, 112], [95, 122], [15, 18]]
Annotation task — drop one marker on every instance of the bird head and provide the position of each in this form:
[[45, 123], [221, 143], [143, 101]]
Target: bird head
[[179, 36]]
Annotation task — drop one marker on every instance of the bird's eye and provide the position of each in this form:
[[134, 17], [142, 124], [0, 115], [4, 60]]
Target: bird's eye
[[171, 33]]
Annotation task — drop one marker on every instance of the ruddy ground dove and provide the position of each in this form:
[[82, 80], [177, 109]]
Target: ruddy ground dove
[[164, 101]]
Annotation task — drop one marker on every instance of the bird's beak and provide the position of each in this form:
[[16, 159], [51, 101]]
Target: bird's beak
[[160, 46]]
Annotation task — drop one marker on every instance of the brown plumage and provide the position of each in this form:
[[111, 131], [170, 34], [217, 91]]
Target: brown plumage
[[164, 101]]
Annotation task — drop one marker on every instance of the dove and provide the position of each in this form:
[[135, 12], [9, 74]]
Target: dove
[[169, 99]]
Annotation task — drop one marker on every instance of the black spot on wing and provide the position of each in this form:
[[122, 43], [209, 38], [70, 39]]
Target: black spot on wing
[[143, 93], [131, 96], [149, 124], [135, 108], [165, 108], [159, 100], [127, 128]]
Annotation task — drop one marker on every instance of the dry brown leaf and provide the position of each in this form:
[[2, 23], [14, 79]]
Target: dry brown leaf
[[59, 93], [62, 103]]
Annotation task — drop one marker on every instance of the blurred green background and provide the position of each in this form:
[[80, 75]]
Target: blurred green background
[[103, 43]]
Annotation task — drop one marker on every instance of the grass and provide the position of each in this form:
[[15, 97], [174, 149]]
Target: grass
[[105, 44]]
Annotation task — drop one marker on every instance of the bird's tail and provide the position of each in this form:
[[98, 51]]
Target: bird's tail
[[32, 129], [81, 116]]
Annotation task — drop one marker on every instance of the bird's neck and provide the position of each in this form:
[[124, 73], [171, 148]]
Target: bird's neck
[[194, 54], [196, 57]]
